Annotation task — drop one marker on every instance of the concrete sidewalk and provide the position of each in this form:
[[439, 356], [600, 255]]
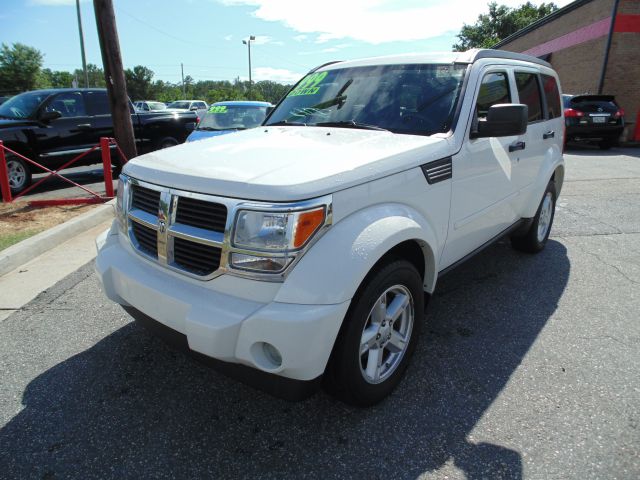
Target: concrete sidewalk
[[23, 284]]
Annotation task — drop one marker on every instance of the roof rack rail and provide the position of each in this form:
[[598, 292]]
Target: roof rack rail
[[478, 54]]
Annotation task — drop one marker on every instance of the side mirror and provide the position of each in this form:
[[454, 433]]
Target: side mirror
[[48, 116], [194, 109], [503, 120]]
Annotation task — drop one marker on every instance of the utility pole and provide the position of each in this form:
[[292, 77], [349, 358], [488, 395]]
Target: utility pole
[[84, 58], [114, 76], [184, 93], [248, 44]]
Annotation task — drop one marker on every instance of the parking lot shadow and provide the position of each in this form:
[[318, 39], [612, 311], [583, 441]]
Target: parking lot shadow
[[129, 407]]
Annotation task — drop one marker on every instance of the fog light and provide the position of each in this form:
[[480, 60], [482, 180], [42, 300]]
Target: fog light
[[272, 354], [259, 264]]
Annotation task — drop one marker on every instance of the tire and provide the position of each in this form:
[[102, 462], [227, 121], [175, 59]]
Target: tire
[[535, 239], [19, 174], [167, 142], [350, 375]]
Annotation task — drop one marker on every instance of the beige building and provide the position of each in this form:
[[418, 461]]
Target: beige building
[[594, 45]]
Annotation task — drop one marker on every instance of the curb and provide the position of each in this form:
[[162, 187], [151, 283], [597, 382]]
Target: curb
[[20, 253]]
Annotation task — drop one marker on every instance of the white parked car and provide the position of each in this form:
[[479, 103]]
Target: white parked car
[[198, 106], [304, 249]]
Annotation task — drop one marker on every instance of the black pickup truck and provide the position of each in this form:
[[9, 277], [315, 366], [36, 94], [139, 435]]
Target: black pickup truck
[[53, 126]]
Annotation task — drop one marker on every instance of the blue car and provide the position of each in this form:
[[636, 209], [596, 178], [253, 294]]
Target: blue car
[[228, 117]]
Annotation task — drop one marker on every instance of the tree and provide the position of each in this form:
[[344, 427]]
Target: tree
[[95, 74], [139, 82], [55, 79], [19, 67], [499, 23]]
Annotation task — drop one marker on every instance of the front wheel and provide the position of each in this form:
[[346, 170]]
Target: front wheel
[[379, 335], [535, 239]]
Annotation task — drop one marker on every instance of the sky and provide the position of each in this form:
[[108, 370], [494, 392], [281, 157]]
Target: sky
[[292, 36]]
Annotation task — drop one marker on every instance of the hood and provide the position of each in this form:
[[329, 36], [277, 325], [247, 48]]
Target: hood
[[202, 134], [286, 163]]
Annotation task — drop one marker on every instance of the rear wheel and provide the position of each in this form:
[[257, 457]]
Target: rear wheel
[[19, 174], [379, 335], [167, 142], [535, 239]]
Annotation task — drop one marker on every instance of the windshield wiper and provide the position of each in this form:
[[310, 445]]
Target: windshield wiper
[[208, 129], [286, 122], [350, 124]]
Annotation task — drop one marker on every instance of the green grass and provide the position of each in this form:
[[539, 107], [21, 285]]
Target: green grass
[[8, 239]]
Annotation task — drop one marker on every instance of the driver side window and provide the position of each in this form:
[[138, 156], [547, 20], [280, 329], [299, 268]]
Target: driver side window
[[69, 104], [494, 90]]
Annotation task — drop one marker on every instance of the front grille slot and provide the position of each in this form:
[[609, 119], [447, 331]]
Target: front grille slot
[[145, 199], [194, 257], [146, 237], [201, 214]]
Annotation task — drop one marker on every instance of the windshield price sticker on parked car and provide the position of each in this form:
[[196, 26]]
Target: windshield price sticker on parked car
[[218, 109], [309, 86]]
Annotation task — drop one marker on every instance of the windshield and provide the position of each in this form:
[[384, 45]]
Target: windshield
[[412, 99], [232, 117], [23, 105], [184, 105]]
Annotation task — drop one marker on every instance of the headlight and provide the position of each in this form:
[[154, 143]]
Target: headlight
[[273, 236]]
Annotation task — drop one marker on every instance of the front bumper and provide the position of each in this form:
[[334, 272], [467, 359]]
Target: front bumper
[[228, 319]]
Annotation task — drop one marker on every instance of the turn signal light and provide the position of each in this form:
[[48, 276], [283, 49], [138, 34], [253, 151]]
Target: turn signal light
[[308, 223]]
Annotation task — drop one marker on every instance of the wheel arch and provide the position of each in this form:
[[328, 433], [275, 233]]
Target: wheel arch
[[558, 178], [357, 245]]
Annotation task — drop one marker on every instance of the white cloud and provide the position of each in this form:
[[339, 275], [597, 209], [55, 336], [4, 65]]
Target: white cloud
[[373, 21], [228, 38], [281, 75], [300, 38]]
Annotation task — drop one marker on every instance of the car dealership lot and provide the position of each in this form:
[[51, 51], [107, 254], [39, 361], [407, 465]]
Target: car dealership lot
[[528, 368]]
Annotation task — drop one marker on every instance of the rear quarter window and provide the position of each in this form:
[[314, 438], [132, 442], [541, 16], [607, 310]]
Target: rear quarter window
[[552, 96]]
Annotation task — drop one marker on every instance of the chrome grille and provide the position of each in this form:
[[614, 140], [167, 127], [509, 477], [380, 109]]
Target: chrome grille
[[201, 214], [146, 238], [180, 230], [145, 199], [196, 258]]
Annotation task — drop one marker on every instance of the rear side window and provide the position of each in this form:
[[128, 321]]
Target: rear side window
[[494, 89], [552, 95], [98, 103], [529, 93]]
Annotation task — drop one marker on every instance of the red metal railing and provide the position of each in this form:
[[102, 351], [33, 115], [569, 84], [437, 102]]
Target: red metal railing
[[105, 147]]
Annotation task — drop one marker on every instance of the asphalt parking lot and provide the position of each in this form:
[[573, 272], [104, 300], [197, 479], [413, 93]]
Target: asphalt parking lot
[[528, 368]]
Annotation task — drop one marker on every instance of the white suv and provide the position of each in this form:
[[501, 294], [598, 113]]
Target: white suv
[[303, 249]]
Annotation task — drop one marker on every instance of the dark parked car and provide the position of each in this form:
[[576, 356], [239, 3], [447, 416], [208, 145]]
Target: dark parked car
[[593, 118], [3, 99], [53, 126]]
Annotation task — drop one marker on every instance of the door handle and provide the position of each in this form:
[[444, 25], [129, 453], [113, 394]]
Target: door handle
[[85, 127], [549, 134], [516, 146]]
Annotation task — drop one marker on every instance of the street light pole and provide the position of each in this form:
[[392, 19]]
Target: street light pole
[[84, 58], [248, 44]]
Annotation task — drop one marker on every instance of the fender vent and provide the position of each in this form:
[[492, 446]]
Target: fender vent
[[438, 170]]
